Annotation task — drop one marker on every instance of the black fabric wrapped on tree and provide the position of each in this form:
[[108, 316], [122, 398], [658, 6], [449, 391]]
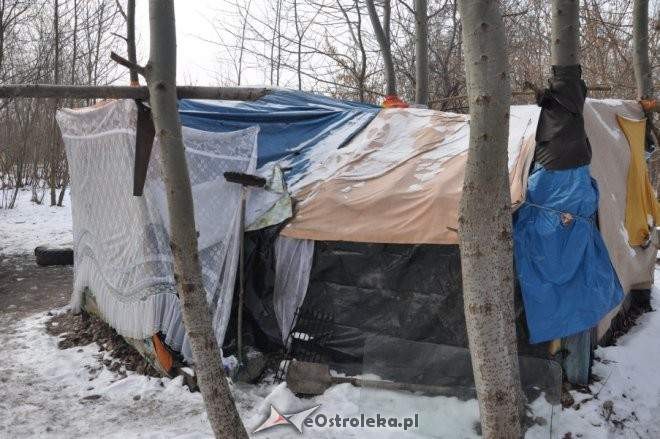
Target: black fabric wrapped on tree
[[561, 141]]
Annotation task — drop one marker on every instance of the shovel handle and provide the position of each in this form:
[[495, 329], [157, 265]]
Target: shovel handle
[[409, 387]]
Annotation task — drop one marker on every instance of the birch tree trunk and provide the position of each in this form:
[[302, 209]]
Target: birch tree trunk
[[421, 53], [161, 80], [564, 47], [485, 228], [384, 44], [641, 64]]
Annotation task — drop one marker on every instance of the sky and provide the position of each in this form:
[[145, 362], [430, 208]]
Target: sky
[[197, 60], [200, 24]]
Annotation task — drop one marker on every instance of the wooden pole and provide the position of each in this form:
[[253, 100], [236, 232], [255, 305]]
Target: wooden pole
[[514, 94], [126, 92]]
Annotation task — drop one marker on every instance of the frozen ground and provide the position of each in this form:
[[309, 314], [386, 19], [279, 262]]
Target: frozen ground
[[28, 225], [53, 393]]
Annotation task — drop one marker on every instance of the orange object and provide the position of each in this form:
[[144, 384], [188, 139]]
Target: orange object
[[648, 104], [393, 101], [163, 355]]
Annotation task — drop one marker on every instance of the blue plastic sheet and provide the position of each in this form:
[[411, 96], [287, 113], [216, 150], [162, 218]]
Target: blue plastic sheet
[[291, 123], [566, 276]]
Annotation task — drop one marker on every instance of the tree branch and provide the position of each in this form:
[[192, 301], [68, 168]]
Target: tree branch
[[126, 63]]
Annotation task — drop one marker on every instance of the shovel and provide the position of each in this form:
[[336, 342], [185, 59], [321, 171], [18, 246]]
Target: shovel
[[245, 180], [314, 379]]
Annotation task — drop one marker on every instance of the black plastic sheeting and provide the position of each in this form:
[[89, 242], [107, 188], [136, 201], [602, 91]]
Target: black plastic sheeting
[[360, 291], [260, 325], [561, 140]]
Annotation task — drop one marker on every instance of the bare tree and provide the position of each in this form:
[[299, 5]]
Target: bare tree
[[382, 32], [421, 53], [54, 148], [10, 13], [161, 79], [641, 63], [241, 52], [564, 50], [129, 17], [485, 228]]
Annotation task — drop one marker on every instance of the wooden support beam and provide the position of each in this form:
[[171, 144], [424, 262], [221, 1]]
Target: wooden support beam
[[514, 94], [127, 92]]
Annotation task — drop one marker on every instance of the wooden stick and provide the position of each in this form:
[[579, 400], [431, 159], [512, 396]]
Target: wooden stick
[[126, 92], [514, 93]]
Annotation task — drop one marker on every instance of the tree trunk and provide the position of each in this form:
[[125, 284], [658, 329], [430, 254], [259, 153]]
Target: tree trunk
[[60, 198], [485, 228], [421, 53], [130, 41], [74, 35], [161, 80], [55, 139], [384, 44], [239, 68], [641, 64], [298, 43], [565, 44]]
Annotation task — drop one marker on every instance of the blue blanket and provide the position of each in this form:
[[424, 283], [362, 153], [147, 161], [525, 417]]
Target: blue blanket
[[566, 276]]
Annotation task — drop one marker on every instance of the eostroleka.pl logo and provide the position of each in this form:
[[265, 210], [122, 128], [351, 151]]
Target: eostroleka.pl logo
[[294, 419], [304, 418]]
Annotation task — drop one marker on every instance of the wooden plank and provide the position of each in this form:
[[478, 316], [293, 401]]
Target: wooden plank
[[127, 92]]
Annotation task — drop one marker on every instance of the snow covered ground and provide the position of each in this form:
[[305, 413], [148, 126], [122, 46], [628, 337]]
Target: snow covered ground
[[48, 392], [67, 393], [28, 225], [626, 401]]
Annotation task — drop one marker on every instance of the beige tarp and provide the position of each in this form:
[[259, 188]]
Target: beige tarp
[[400, 180], [609, 166]]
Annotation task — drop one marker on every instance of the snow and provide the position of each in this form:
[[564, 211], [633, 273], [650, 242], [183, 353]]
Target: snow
[[44, 390], [29, 225], [68, 393], [629, 378]]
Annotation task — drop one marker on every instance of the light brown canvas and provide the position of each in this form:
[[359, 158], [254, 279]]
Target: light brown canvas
[[401, 179]]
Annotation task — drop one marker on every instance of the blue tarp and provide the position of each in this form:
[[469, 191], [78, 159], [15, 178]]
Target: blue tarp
[[291, 123], [566, 276]]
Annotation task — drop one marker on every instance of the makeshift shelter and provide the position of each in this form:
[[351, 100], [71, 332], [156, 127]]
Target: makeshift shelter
[[354, 236]]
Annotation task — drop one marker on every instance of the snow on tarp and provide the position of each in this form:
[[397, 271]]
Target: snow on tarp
[[400, 179]]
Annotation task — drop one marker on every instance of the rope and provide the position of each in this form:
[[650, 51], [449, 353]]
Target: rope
[[563, 214]]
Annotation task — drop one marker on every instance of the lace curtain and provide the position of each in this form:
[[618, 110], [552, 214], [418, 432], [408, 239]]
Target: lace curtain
[[121, 242]]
